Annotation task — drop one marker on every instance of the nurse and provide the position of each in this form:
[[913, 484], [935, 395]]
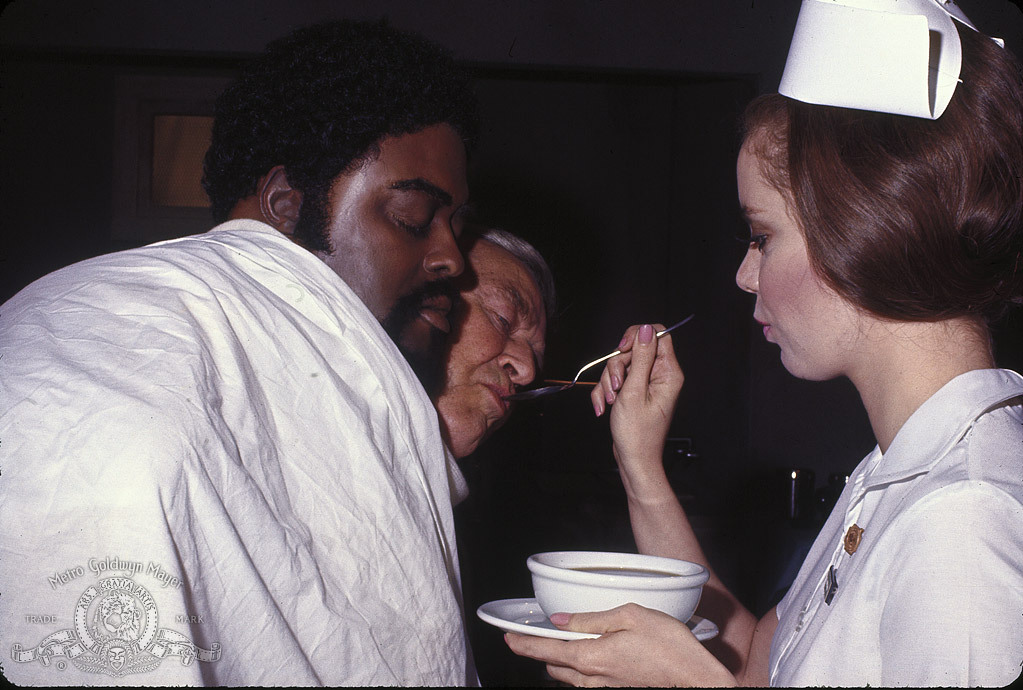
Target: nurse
[[886, 235]]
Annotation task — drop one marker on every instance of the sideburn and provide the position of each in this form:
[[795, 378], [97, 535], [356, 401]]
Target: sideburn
[[312, 228]]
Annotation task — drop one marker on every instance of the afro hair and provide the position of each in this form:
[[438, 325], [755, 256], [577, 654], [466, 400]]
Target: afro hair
[[319, 100]]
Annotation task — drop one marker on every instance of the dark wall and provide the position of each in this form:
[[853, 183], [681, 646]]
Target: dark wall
[[57, 134], [626, 184]]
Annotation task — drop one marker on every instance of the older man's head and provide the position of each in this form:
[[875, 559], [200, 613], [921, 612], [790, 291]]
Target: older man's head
[[498, 336]]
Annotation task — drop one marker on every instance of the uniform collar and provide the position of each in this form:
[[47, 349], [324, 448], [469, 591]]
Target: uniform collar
[[942, 420]]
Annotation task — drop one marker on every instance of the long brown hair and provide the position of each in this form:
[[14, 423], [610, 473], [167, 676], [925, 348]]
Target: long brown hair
[[911, 219]]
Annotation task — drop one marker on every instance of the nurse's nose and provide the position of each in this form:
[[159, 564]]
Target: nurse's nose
[[748, 275]]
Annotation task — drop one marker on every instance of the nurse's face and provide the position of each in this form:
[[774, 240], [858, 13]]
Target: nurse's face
[[821, 335]]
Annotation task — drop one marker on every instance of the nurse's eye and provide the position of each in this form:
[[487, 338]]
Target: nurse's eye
[[753, 241]]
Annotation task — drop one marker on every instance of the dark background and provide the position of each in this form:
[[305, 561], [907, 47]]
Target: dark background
[[609, 142]]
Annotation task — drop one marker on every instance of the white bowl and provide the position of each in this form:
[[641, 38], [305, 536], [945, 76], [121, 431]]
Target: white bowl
[[577, 581]]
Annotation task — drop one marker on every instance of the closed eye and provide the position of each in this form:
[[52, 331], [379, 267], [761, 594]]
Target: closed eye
[[503, 323], [417, 231]]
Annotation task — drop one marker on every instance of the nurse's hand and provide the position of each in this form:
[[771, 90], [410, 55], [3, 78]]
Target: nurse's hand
[[642, 384], [637, 647]]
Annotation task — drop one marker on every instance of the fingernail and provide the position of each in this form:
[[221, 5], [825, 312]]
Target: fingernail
[[609, 396], [596, 409], [624, 342], [616, 382], [560, 618], [646, 333]]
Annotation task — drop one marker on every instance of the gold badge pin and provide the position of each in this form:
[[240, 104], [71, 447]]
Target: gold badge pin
[[852, 539]]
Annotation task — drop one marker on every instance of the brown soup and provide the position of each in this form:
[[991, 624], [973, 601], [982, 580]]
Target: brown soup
[[630, 572]]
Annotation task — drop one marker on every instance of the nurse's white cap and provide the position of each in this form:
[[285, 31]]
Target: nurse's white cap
[[891, 56]]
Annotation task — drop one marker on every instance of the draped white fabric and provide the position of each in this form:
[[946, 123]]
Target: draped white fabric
[[211, 449]]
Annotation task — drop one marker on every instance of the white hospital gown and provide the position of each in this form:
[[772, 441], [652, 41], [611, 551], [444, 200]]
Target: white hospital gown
[[218, 469]]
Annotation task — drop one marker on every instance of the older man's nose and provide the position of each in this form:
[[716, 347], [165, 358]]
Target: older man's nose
[[517, 359]]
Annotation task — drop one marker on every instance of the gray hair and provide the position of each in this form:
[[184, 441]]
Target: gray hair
[[531, 259]]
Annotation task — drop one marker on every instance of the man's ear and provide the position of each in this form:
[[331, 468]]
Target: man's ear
[[279, 202]]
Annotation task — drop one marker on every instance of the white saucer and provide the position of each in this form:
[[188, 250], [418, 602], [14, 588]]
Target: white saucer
[[525, 616]]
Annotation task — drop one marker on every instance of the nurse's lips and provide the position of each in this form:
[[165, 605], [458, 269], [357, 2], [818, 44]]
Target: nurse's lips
[[435, 310]]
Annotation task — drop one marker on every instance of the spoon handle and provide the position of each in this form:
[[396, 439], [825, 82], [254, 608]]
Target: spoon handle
[[669, 329]]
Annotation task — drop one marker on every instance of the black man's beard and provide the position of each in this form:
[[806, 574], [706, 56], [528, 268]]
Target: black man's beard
[[428, 362]]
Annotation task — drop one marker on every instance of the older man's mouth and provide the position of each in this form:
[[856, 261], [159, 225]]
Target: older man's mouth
[[499, 392], [434, 311]]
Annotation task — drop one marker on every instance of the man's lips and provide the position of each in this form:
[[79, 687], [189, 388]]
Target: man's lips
[[499, 393], [434, 310]]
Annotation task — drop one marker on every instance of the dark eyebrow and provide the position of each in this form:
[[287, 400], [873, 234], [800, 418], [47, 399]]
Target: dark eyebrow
[[418, 184]]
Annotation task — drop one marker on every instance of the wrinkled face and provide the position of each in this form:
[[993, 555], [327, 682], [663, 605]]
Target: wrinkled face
[[821, 335], [498, 345], [393, 224]]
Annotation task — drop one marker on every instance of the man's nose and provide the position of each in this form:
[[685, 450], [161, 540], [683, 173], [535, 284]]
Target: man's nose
[[444, 258], [517, 359]]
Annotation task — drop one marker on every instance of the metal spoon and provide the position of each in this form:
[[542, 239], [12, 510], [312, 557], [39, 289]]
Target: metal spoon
[[548, 390]]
